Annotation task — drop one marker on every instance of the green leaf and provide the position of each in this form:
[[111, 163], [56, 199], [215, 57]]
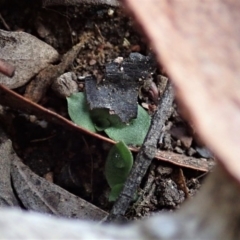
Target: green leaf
[[79, 112], [115, 192], [102, 119], [118, 165], [135, 132]]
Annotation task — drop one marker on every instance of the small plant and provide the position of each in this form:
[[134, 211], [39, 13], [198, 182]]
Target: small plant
[[100, 120], [117, 168]]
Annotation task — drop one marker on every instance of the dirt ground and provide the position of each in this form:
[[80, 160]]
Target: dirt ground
[[73, 160]]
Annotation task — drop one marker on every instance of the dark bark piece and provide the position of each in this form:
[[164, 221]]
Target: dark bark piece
[[118, 92], [145, 155], [40, 195]]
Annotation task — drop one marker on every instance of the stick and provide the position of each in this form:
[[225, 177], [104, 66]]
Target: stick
[[144, 157]]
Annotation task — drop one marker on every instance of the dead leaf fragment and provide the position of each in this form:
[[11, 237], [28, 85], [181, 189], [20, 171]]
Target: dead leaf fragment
[[7, 197], [38, 194], [27, 53]]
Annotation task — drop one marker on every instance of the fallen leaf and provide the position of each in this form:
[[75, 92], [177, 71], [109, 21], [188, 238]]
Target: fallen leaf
[[7, 197], [39, 195], [133, 133], [27, 53]]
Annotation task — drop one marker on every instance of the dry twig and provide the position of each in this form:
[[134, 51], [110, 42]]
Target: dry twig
[[145, 155]]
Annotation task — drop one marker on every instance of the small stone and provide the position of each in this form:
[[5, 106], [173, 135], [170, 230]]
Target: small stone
[[135, 48], [179, 143], [118, 60], [186, 141], [179, 150], [92, 62], [164, 171], [49, 176], [126, 43], [204, 152], [65, 85], [110, 12], [42, 123], [191, 151], [32, 118], [81, 85]]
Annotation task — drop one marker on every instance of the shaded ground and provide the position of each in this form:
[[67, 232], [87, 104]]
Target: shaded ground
[[76, 161]]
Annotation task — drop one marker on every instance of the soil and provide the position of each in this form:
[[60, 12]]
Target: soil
[[73, 160]]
